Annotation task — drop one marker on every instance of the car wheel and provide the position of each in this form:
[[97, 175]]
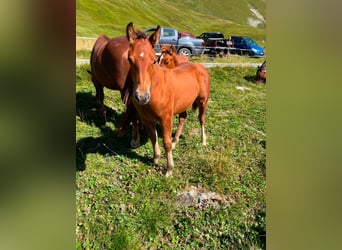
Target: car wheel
[[185, 51]]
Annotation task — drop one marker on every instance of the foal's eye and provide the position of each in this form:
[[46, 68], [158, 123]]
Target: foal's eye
[[166, 62]]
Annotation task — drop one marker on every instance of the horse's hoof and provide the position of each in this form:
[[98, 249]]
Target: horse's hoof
[[135, 144], [168, 173], [121, 132], [156, 160]]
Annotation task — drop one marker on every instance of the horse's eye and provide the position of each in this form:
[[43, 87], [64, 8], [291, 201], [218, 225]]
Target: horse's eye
[[166, 62]]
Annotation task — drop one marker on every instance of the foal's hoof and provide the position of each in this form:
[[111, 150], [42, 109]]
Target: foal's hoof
[[168, 173], [174, 142]]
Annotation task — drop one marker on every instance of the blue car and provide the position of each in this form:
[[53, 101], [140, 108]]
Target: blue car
[[246, 46]]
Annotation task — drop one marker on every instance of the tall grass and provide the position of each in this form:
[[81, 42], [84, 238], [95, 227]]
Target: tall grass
[[123, 202]]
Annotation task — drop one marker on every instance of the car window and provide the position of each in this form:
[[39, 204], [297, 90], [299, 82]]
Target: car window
[[250, 42], [169, 32]]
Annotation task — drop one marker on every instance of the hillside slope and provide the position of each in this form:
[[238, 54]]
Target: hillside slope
[[94, 17]]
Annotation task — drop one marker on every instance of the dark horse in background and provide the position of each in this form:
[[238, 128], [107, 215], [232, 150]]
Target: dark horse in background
[[261, 73], [110, 69]]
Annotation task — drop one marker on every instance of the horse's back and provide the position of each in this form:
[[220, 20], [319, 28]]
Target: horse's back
[[190, 81], [98, 47], [109, 63], [182, 59]]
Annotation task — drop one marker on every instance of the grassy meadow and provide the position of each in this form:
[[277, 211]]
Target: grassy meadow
[[110, 17], [124, 202]]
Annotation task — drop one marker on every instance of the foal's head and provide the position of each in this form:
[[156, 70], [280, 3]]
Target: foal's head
[[141, 57], [166, 58]]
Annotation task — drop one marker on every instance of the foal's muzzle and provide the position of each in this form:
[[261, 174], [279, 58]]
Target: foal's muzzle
[[142, 99]]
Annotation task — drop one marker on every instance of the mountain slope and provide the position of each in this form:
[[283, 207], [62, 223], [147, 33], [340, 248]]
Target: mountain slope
[[110, 17]]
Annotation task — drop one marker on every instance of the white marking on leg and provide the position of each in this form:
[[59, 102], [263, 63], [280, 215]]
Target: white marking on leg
[[204, 137], [156, 150], [170, 164]]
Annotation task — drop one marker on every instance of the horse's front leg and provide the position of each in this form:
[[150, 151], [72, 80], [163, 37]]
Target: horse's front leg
[[152, 134], [181, 121], [167, 134]]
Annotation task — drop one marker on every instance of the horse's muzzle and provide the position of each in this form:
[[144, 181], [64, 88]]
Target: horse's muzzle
[[142, 99]]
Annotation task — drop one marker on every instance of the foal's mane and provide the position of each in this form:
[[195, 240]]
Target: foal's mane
[[141, 35]]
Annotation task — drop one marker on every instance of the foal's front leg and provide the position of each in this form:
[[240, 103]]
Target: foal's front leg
[[152, 134], [167, 134]]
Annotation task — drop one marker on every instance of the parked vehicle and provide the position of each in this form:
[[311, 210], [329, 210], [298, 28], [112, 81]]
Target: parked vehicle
[[246, 46], [215, 42], [185, 45], [181, 34]]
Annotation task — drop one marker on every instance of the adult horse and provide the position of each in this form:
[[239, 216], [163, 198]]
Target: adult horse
[[159, 93], [110, 69], [169, 57]]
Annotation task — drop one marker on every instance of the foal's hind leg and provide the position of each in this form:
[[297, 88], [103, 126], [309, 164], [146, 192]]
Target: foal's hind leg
[[202, 106], [181, 121]]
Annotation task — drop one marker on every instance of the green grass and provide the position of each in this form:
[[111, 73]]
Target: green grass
[[123, 202]]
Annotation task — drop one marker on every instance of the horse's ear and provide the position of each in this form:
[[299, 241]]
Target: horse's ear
[[130, 33], [154, 38]]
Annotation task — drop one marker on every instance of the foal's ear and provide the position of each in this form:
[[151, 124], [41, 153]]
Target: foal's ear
[[130, 33], [154, 38], [173, 50]]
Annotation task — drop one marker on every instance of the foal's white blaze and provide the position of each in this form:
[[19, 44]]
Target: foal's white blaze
[[142, 54], [160, 59]]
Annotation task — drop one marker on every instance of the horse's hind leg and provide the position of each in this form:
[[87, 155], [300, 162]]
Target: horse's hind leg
[[130, 115], [181, 121], [202, 106], [100, 97], [135, 142]]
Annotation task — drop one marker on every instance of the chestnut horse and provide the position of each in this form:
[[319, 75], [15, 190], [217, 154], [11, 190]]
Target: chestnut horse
[[261, 73], [159, 93], [169, 57], [110, 69]]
